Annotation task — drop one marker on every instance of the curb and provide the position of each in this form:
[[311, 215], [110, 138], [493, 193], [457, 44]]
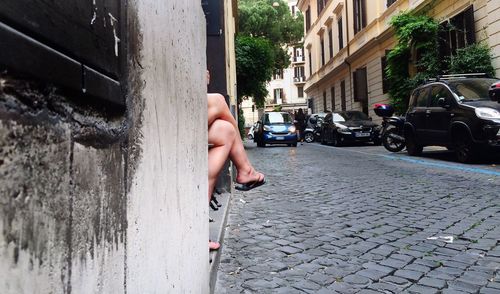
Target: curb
[[216, 233]]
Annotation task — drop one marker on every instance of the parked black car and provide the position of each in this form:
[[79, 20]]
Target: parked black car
[[454, 111], [340, 128]]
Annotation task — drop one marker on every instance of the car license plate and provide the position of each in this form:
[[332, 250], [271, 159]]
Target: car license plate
[[362, 134], [280, 138]]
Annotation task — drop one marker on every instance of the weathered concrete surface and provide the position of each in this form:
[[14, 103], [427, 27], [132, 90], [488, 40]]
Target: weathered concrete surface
[[104, 201], [168, 214]]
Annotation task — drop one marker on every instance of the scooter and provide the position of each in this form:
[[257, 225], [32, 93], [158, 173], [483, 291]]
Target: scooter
[[313, 130], [392, 132]]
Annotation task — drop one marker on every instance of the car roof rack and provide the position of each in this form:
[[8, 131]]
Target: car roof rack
[[456, 76]]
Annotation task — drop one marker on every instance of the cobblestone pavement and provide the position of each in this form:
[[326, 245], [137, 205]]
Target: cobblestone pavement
[[358, 220]]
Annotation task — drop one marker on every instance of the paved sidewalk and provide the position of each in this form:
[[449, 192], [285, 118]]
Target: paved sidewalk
[[333, 220]]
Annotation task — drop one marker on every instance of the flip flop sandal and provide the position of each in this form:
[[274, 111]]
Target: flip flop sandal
[[250, 185]]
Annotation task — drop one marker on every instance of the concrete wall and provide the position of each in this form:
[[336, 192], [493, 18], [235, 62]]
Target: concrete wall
[[95, 201]]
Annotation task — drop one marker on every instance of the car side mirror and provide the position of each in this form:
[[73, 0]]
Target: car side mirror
[[442, 103]]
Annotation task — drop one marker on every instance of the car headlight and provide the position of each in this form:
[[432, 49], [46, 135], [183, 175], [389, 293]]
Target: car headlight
[[343, 129], [292, 129], [487, 113], [267, 128]]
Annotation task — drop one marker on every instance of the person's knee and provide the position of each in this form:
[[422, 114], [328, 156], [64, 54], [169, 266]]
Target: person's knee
[[221, 132]]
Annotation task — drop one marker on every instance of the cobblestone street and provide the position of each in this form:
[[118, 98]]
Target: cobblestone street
[[361, 220]]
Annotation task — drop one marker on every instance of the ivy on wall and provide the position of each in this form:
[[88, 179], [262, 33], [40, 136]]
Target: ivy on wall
[[418, 46]]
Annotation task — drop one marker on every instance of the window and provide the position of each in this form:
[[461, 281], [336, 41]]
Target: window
[[390, 2], [342, 96], [421, 97], [332, 97], [322, 51], [385, 78], [310, 64], [278, 74], [320, 4], [439, 91], [278, 94], [330, 42], [361, 88], [308, 18], [299, 73], [359, 15], [457, 33], [324, 101], [360, 85], [300, 92], [341, 34]]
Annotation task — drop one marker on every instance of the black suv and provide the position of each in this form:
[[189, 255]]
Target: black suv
[[454, 111]]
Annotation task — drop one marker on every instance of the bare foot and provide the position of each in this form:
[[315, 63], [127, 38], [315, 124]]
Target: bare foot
[[252, 176], [213, 245]]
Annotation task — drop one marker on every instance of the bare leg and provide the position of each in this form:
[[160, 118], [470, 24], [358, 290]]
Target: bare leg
[[218, 110], [222, 135]]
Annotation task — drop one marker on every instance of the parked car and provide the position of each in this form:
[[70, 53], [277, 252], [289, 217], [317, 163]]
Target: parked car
[[454, 111], [346, 127], [313, 127], [275, 128]]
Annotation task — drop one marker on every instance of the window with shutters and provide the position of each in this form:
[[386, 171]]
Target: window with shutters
[[308, 18], [457, 33], [360, 85], [342, 96], [310, 63], [385, 78], [390, 2], [359, 15], [332, 97], [330, 42], [300, 92], [324, 101], [322, 41], [341, 34]]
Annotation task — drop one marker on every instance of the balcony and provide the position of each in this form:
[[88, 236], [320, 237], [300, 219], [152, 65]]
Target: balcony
[[298, 59], [299, 80]]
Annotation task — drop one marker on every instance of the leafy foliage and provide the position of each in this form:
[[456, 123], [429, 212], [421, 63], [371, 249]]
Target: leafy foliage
[[475, 58], [254, 66], [417, 36], [418, 33], [261, 20]]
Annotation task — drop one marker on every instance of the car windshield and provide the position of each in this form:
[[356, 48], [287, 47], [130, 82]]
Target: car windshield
[[338, 118], [354, 115], [277, 118], [471, 89]]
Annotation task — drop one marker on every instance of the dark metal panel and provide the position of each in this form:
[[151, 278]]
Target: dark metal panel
[[30, 57], [213, 14], [84, 30]]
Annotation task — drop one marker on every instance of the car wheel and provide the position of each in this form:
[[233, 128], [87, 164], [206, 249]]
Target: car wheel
[[464, 147], [260, 143], [336, 141], [309, 137], [250, 137], [412, 147]]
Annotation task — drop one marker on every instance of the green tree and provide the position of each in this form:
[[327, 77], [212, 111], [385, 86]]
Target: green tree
[[260, 20], [254, 66]]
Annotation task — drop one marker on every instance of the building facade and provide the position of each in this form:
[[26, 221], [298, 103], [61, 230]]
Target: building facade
[[346, 43]]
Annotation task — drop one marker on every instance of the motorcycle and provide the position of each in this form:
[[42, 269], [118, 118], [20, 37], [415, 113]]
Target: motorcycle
[[312, 131], [392, 132]]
